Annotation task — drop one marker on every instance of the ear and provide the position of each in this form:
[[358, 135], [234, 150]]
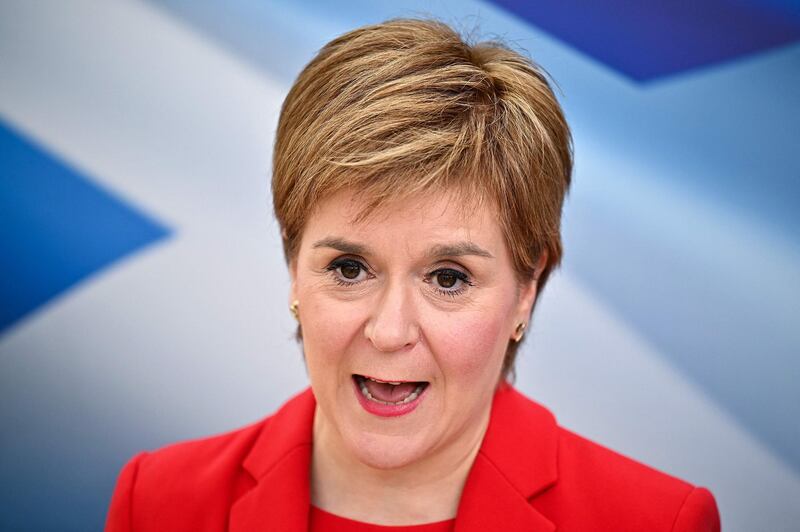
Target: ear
[[529, 291], [293, 280]]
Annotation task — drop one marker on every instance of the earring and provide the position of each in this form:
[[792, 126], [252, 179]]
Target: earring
[[293, 308], [519, 332]]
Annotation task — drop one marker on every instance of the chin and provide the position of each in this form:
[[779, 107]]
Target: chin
[[381, 451]]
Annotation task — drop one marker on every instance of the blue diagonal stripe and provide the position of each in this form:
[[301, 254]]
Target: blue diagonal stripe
[[649, 39], [56, 227]]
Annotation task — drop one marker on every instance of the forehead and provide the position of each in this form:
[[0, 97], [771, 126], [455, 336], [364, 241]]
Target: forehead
[[425, 218]]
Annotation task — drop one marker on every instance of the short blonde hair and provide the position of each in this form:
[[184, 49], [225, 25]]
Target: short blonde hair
[[405, 106]]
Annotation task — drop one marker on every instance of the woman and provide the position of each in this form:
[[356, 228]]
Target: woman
[[418, 182]]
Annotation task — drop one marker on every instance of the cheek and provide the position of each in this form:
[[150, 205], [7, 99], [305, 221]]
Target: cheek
[[470, 346], [327, 330]]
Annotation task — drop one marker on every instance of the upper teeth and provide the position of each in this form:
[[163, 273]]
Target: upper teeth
[[384, 382]]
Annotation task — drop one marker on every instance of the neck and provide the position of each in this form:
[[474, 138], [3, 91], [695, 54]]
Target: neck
[[425, 491]]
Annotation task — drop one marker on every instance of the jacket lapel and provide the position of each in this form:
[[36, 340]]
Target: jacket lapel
[[279, 462], [490, 502], [516, 462]]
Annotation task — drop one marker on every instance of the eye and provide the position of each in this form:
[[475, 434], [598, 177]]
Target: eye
[[347, 271], [446, 279], [449, 281], [350, 270]]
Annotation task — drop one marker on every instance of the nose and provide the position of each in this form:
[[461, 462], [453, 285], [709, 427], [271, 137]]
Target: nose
[[392, 325]]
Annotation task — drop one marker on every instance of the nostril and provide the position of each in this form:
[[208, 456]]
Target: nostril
[[390, 345], [392, 337], [392, 325]]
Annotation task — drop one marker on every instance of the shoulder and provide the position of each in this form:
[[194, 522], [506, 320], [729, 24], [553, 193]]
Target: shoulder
[[193, 484], [167, 485], [614, 488], [592, 484], [205, 458]]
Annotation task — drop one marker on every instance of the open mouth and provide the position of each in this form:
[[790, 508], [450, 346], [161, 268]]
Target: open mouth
[[389, 393]]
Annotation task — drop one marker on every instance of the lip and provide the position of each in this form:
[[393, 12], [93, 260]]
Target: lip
[[382, 410]]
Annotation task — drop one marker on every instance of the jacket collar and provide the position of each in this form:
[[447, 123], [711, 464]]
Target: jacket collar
[[522, 441], [280, 464], [516, 462]]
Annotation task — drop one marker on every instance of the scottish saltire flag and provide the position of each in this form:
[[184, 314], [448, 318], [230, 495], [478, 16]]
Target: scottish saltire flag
[[143, 292]]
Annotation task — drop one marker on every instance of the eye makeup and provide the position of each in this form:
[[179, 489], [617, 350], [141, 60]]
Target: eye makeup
[[448, 281], [346, 271]]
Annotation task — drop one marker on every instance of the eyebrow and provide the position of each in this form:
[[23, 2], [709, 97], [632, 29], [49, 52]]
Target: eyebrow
[[340, 244], [457, 249]]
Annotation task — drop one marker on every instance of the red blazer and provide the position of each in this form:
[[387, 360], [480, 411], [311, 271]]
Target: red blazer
[[530, 474]]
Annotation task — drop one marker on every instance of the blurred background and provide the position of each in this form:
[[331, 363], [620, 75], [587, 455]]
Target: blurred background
[[143, 294]]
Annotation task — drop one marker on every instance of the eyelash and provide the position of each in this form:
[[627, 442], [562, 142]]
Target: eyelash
[[461, 276], [338, 263], [334, 266]]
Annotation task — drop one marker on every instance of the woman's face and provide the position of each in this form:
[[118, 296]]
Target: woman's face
[[420, 296]]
